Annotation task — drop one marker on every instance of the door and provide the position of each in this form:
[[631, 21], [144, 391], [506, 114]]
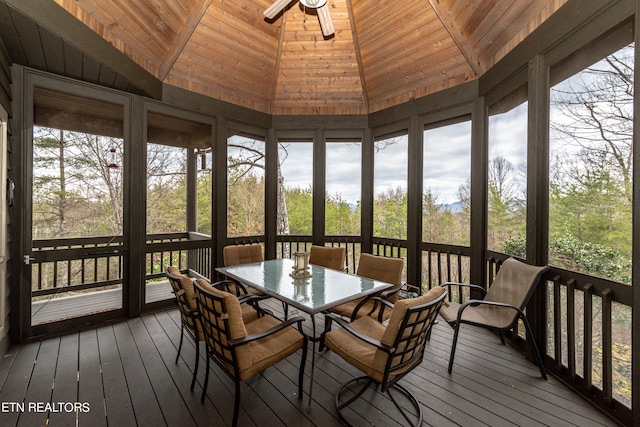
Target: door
[[75, 222]]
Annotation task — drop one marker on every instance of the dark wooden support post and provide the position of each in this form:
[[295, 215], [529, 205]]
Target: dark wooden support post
[[479, 185], [635, 273], [135, 189], [20, 234], [219, 197], [538, 191], [271, 195], [366, 227], [414, 201], [319, 187], [192, 190]]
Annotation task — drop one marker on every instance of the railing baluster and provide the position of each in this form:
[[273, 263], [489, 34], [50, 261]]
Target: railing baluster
[[557, 326], [607, 342], [588, 336], [571, 328]]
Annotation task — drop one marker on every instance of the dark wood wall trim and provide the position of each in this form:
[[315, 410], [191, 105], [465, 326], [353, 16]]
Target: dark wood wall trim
[[635, 272], [538, 190], [5, 101], [479, 190], [196, 102], [53, 17]]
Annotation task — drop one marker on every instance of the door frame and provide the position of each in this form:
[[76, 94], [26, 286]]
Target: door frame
[[25, 80]]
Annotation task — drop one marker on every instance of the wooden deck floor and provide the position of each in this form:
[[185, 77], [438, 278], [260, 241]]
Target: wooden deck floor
[[124, 374]]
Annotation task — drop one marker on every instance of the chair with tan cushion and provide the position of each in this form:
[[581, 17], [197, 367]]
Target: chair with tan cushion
[[248, 303], [242, 349], [243, 254], [382, 269], [385, 354], [328, 257], [183, 289], [502, 306]]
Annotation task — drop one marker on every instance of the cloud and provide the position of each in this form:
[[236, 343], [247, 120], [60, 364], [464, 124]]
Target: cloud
[[447, 159]]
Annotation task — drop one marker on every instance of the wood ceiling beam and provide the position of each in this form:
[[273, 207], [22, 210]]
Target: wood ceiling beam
[[356, 46], [276, 68], [449, 22], [182, 39]]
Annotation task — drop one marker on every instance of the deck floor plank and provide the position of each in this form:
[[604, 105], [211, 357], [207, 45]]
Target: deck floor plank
[[40, 384], [65, 389], [143, 400], [116, 393], [128, 374]]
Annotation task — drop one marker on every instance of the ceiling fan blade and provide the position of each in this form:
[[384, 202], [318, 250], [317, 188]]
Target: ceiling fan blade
[[326, 24], [275, 8]]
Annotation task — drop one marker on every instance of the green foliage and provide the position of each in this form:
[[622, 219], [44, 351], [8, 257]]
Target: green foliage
[[300, 210], [340, 218], [245, 205], [572, 254], [441, 225], [390, 214]]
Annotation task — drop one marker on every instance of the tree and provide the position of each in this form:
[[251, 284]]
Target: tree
[[73, 186], [506, 209], [594, 112], [591, 134], [390, 214]]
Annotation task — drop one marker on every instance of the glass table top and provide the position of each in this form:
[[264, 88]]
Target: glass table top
[[325, 288]]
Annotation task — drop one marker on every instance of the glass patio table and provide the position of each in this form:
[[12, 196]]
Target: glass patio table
[[326, 288]]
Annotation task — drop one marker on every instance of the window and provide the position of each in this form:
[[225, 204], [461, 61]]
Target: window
[[507, 192], [295, 188], [390, 187], [245, 186], [445, 182], [591, 126], [343, 188]]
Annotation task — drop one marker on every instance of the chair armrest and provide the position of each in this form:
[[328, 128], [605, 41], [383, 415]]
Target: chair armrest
[[249, 298], [386, 294], [475, 302], [259, 335], [225, 285], [347, 327], [467, 285], [383, 295], [383, 304]]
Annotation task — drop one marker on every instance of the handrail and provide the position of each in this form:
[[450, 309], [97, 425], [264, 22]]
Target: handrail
[[585, 312]]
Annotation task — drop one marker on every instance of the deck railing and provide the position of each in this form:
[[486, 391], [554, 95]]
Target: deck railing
[[588, 318], [187, 251], [79, 264]]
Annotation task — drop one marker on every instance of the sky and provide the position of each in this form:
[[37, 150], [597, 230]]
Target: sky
[[447, 159]]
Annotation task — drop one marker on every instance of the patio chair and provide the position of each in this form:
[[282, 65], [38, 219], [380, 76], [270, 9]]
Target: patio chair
[[385, 353], [328, 257], [242, 349], [182, 288], [243, 254], [502, 306], [383, 269]]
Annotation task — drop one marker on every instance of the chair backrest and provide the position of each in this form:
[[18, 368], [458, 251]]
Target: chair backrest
[[242, 254], [383, 269], [185, 296], [326, 256], [221, 318], [515, 282], [407, 332]]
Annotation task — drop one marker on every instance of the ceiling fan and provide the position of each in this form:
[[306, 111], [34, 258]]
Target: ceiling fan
[[321, 6]]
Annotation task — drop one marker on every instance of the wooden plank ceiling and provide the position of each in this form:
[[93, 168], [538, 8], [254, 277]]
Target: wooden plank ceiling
[[383, 52]]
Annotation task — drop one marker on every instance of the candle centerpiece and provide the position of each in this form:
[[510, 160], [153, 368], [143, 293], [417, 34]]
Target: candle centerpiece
[[301, 265]]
